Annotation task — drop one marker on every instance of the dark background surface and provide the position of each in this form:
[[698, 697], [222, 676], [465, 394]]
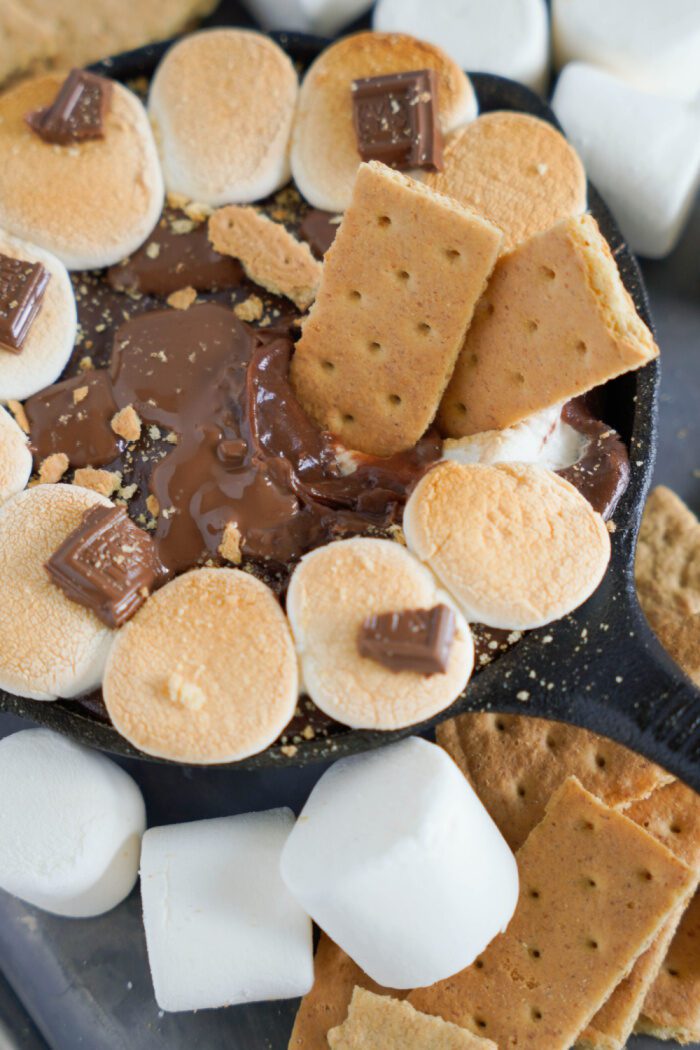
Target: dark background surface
[[69, 984]]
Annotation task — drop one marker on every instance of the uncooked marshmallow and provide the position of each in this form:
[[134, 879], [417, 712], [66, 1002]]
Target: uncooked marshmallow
[[652, 45], [221, 927], [507, 37], [395, 857], [543, 438], [71, 822], [641, 151], [307, 16]]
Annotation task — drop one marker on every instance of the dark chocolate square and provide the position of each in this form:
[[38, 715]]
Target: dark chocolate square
[[22, 288], [411, 640], [396, 119], [107, 564], [78, 111]]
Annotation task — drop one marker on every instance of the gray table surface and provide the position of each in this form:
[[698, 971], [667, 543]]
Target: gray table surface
[[71, 984]]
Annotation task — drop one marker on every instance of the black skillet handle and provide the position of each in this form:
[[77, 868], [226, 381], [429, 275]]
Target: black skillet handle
[[602, 668]]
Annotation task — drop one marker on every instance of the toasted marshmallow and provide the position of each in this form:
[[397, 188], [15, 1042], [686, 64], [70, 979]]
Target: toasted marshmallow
[[205, 671], [542, 438], [325, 157], [516, 170], [15, 457], [90, 203], [515, 544], [51, 337], [510, 37], [49, 645], [222, 103], [332, 591]]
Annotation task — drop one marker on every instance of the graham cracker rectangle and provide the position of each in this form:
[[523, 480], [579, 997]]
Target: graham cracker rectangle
[[378, 1022], [326, 1005], [554, 322], [672, 1007], [595, 890], [268, 252], [515, 763], [667, 573], [399, 287]]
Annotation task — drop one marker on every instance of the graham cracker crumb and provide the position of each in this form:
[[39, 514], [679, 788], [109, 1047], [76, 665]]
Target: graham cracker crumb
[[230, 546], [182, 299], [153, 250], [105, 482], [127, 423], [53, 468], [80, 393], [152, 505], [17, 410], [251, 309], [289, 750], [85, 364]]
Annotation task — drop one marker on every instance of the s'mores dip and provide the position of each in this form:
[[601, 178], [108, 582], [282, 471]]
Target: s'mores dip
[[303, 408]]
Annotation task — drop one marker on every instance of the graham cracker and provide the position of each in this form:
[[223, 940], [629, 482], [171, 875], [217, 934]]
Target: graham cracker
[[515, 763], [378, 1022], [268, 252], [399, 287], [554, 322], [326, 1005], [668, 576], [672, 1008], [515, 169], [595, 890]]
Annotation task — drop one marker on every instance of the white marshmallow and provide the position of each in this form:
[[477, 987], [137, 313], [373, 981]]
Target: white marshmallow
[[308, 16], [71, 823], [541, 438], [655, 46], [221, 927], [641, 151], [510, 37], [15, 457], [395, 857]]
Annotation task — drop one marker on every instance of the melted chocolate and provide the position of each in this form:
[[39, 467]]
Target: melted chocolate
[[318, 229], [603, 473], [80, 428], [178, 254]]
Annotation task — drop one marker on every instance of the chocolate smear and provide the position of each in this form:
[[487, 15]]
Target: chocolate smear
[[107, 564], [22, 288], [178, 254], [77, 113], [396, 119], [411, 640], [74, 417], [318, 228], [603, 472]]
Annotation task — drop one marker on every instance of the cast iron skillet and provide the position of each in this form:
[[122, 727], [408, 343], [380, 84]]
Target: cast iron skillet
[[601, 667]]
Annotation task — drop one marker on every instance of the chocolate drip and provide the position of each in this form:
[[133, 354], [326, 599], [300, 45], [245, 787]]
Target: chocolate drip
[[178, 254], [602, 474]]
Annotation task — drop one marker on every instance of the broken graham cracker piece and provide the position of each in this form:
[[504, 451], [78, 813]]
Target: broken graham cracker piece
[[53, 468], [326, 1005], [398, 290], [594, 891], [269, 254], [230, 546], [127, 423], [515, 763], [554, 322], [667, 572], [378, 1022], [672, 1007], [182, 299], [105, 482]]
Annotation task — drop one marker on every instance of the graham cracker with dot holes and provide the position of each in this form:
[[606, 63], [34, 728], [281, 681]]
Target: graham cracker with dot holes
[[555, 321], [515, 763], [326, 1005], [398, 290], [672, 1007], [378, 1022], [595, 890], [672, 815], [667, 572]]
